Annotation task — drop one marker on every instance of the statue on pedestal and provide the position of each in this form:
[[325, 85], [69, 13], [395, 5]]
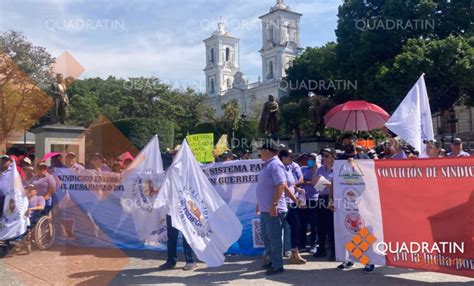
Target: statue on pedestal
[[61, 100], [268, 121]]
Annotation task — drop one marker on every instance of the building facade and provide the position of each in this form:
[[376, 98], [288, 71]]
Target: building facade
[[280, 45]]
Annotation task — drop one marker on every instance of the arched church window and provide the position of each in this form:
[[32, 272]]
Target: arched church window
[[212, 86], [212, 55], [227, 54], [270, 34], [270, 70]]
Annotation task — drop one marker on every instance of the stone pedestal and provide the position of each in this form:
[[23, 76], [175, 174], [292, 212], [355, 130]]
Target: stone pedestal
[[60, 138]]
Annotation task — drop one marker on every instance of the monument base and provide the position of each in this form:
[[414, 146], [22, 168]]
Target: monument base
[[60, 138]]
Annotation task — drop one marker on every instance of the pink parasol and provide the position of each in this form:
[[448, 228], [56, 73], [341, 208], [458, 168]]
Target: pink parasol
[[356, 115], [49, 155]]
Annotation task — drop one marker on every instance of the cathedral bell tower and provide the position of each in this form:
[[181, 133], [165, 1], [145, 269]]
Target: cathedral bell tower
[[280, 39], [222, 62]]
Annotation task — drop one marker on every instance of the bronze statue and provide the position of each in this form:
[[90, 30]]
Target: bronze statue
[[61, 100], [319, 106], [268, 120]]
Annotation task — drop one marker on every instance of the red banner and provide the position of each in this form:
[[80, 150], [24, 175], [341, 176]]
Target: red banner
[[428, 213]]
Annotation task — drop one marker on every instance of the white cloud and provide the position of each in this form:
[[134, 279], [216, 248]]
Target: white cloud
[[161, 38]]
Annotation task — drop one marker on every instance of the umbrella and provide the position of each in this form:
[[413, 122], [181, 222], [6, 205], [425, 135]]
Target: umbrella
[[358, 115], [126, 156], [49, 155]]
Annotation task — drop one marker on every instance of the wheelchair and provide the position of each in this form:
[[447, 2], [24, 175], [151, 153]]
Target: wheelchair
[[40, 236]]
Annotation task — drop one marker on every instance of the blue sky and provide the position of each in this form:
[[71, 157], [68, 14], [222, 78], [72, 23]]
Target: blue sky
[[156, 37]]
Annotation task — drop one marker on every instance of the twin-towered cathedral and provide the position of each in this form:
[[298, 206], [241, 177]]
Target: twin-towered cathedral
[[280, 45]]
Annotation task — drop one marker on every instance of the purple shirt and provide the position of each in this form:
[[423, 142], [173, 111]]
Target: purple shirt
[[272, 175], [296, 169], [461, 154], [43, 184], [310, 191], [36, 201], [400, 155], [290, 180], [328, 175]]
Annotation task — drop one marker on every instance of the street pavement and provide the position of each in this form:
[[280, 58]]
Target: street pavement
[[87, 266]]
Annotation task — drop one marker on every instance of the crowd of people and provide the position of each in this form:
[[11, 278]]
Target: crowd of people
[[289, 205]]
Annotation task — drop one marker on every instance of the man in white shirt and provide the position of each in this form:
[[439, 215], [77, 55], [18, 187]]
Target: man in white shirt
[[456, 149]]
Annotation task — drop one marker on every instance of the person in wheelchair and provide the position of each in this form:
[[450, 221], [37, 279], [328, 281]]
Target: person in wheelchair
[[36, 205], [45, 185]]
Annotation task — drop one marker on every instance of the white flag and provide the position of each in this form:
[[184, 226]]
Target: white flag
[[208, 224], [142, 182], [14, 221], [412, 119]]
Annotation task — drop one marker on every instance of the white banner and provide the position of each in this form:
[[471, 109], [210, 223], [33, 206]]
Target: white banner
[[357, 202], [208, 224], [14, 221]]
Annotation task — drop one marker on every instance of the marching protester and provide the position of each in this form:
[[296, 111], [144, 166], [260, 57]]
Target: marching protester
[[97, 163], [293, 202], [360, 153], [246, 155], [457, 149], [29, 175], [325, 220], [226, 156], [393, 149], [308, 214], [172, 243], [271, 204], [45, 185], [71, 162]]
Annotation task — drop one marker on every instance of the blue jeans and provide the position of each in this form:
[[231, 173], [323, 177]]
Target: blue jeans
[[173, 244], [286, 235], [272, 231]]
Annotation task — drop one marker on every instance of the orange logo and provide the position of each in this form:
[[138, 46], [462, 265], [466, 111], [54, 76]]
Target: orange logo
[[360, 243], [68, 67]]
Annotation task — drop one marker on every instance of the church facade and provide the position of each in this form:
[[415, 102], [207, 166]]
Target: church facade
[[280, 45]]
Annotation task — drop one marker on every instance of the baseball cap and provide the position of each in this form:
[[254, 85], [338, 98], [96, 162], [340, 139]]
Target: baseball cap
[[27, 160], [71, 154], [226, 154], [270, 145], [5, 157], [457, 141], [330, 151]]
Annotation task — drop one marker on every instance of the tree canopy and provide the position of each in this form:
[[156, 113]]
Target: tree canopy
[[382, 48]]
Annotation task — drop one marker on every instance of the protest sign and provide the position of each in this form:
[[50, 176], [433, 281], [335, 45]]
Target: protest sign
[[202, 146]]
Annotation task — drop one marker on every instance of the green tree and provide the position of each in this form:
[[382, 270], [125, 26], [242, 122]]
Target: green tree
[[24, 76], [449, 68]]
